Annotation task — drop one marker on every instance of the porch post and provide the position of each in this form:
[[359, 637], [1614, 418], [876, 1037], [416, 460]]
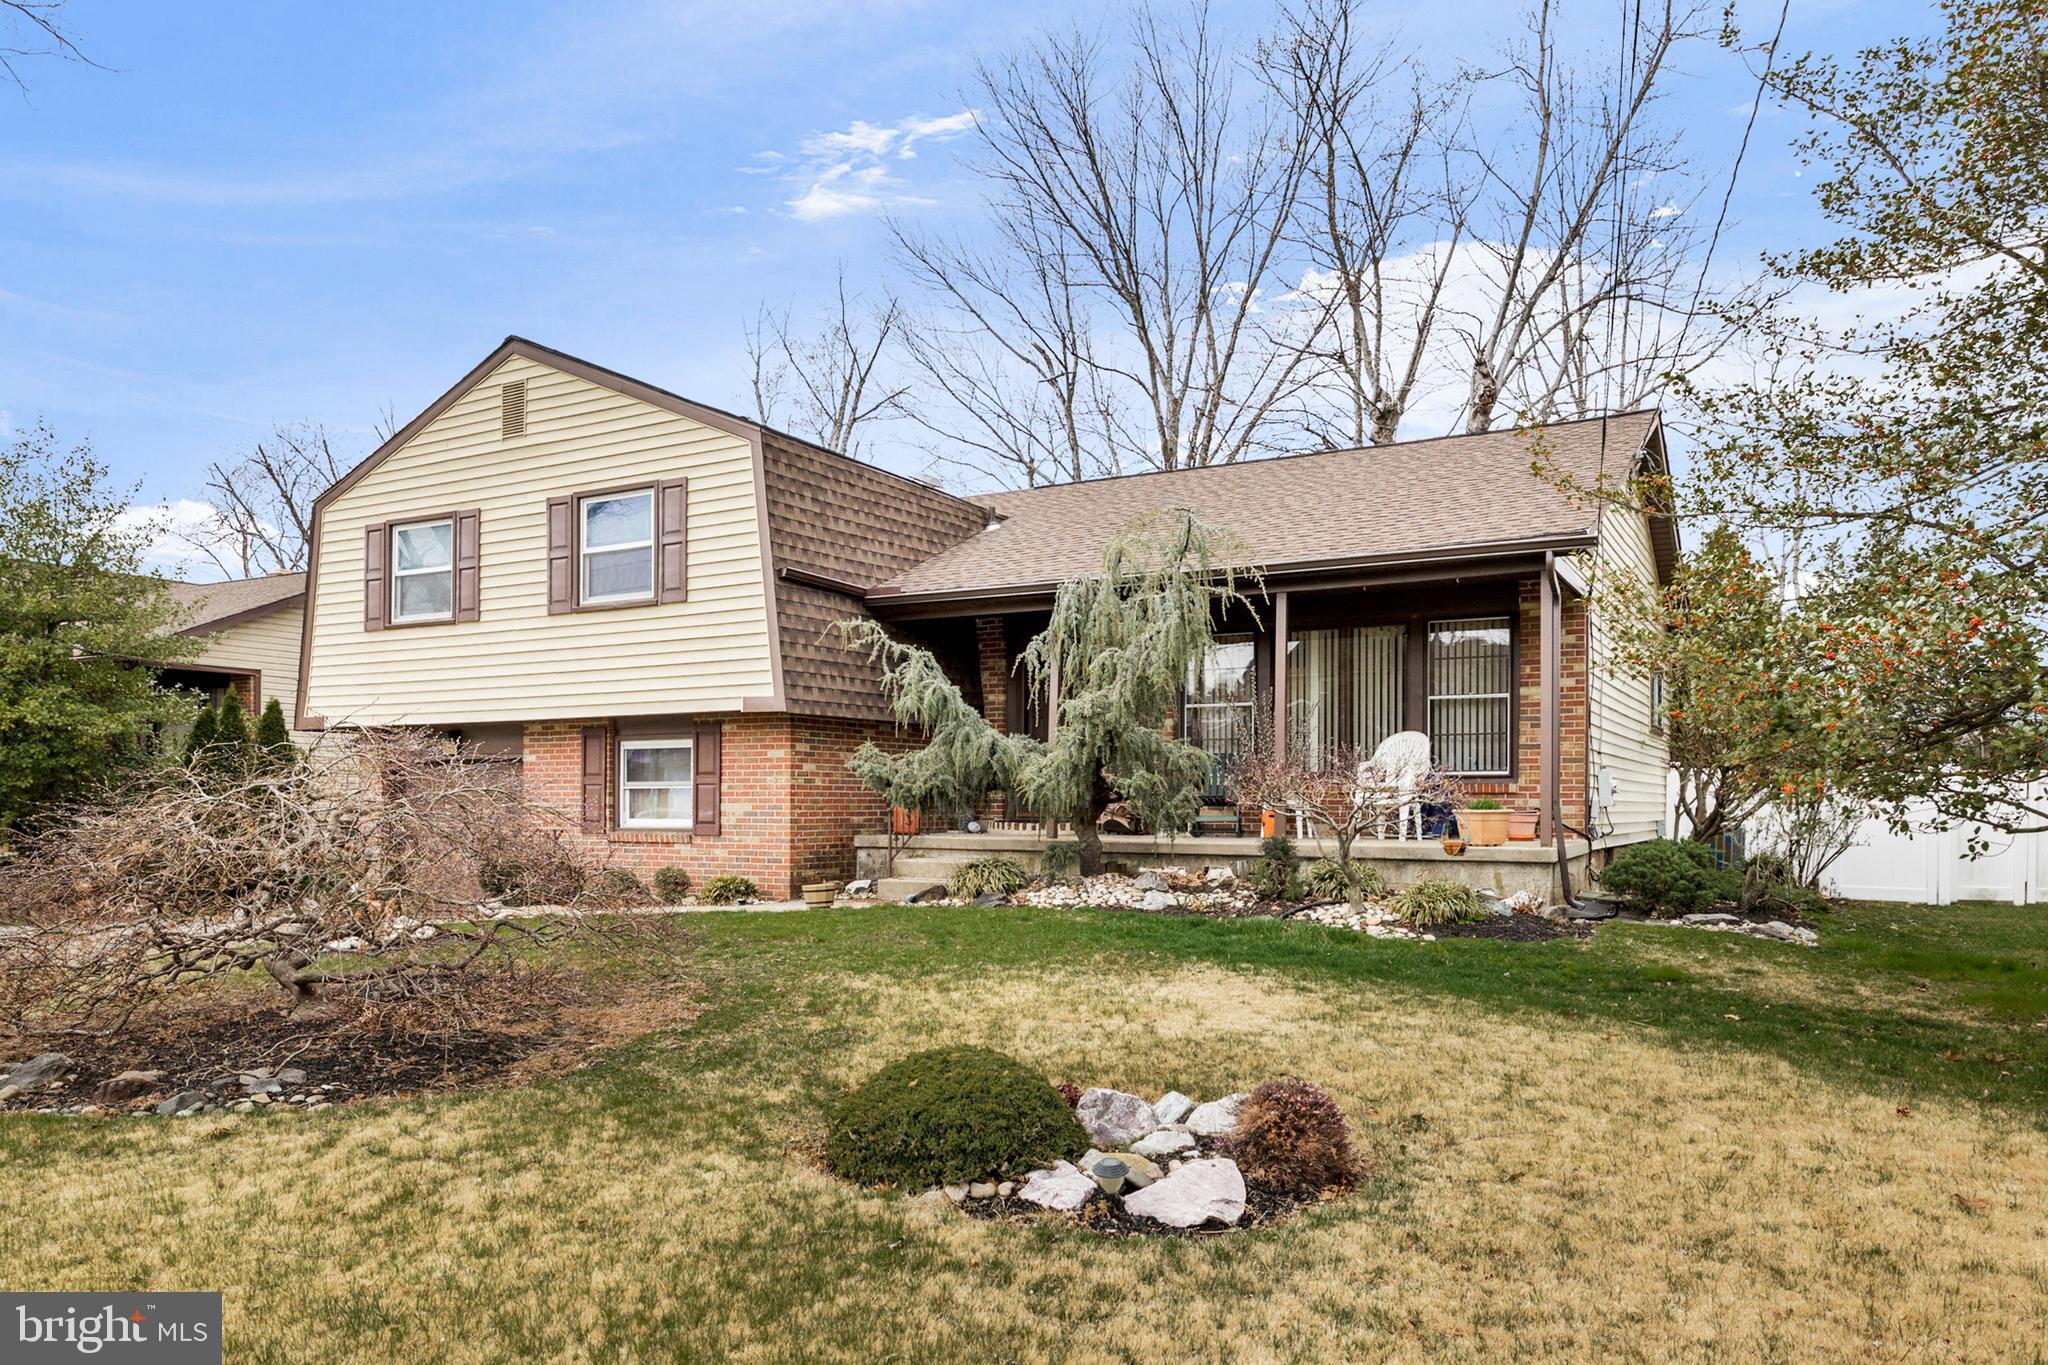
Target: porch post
[[1280, 677], [1052, 726], [1547, 661]]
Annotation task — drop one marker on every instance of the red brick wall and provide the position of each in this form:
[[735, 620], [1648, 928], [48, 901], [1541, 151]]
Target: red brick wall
[[1573, 717], [788, 809]]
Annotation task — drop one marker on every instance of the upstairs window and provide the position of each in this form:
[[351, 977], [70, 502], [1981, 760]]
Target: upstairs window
[[617, 547], [423, 571], [1471, 678]]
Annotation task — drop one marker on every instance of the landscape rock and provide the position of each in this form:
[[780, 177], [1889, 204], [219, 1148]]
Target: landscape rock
[[8, 1092], [1007, 1188], [930, 893], [989, 898], [1164, 1143], [126, 1086], [982, 1189], [1060, 1186], [182, 1102], [1717, 917], [1217, 875], [1149, 881], [39, 1070], [1158, 900], [956, 1193], [1115, 1118], [1200, 1192], [1590, 910], [1217, 1117], [1172, 1107], [861, 886]]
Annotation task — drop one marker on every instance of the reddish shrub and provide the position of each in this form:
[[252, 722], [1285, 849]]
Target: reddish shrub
[[1291, 1138], [1069, 1092]]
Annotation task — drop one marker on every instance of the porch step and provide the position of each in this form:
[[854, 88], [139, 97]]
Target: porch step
[[937, 866], [896, 890]]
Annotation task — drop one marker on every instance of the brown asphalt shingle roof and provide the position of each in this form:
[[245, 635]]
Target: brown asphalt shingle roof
[[208, 603], [1410, 498]]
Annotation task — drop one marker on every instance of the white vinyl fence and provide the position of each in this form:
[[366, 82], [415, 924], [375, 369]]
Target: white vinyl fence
[[1936, 867], [1931, 866]]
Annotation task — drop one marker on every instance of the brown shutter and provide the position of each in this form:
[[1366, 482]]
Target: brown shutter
[[704, 800], [561, 555], [376, 581], [597, 754], [467, 596], [672, 539]]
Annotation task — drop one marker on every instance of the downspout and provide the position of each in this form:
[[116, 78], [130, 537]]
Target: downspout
[[1554, 600]]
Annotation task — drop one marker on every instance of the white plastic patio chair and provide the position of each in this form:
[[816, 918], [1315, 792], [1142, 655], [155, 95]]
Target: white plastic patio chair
[[1399, 766]]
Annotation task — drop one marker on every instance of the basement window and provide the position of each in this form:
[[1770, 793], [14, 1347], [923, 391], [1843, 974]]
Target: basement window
[[655, 779]]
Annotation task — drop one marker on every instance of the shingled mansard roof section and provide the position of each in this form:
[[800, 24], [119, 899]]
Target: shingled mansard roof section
[[215, 606], [1412, 501]]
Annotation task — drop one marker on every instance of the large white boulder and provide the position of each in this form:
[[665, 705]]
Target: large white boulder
[[1206, 1191], [1217, 1117], [1115, 1118], [1172, 1107], [1164, 1143], [1060, 1186]]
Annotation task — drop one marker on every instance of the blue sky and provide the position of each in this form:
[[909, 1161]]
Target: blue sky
[[262, 213]]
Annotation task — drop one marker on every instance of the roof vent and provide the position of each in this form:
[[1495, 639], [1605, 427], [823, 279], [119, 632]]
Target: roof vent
[[512, 409]]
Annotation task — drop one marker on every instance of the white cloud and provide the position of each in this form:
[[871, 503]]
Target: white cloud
[[847, 171], [175, 530], [1665, 211]]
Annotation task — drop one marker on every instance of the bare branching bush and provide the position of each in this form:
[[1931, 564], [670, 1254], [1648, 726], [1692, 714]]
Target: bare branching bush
[[1345, 792], [349, 878]]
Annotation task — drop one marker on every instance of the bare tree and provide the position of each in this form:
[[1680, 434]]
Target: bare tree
[[358, 875], [1582, 238], [827, 384], [263, 502], [1148, 205], [33, 29], [1382, 216]]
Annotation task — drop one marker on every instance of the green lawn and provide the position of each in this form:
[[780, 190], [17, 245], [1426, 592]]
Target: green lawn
[[1659, 1143]]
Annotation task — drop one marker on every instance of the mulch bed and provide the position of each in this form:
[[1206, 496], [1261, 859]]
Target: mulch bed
[[1516, 929], [207, 1036]]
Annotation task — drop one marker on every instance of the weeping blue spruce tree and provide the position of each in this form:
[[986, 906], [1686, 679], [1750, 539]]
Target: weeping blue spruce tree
[[1116, 651]]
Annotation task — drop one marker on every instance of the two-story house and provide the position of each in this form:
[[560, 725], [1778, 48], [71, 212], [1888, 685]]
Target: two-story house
[[629, 592]]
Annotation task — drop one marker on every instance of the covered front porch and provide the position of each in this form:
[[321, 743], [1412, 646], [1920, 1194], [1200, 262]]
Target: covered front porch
[[1485, 654]]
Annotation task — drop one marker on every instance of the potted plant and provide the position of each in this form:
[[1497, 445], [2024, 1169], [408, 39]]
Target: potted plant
[[1521, 826], [1484, 822]]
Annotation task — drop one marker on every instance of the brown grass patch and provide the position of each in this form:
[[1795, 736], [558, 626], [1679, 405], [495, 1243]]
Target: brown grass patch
[[1549, 1191]]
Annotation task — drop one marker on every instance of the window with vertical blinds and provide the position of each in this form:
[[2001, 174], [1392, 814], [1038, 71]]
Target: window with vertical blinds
[[1343, 689], [1471, 678]]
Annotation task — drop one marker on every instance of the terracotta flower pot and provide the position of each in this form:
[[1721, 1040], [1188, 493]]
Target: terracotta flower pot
[[820, 895], [1483, 828], [1521, 826], [1454, 846]]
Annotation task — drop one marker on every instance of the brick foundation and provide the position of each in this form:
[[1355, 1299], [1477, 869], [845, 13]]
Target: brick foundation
[[788, 807]]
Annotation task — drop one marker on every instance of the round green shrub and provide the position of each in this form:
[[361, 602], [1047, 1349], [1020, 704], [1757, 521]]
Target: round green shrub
[[1436, 900], [672, 884], [1062, 858], [948, 1116], [998, 874], [728, 890], [1665, 877]]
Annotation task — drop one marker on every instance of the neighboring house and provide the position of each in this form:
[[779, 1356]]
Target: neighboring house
[[251, 627], [630, 593]]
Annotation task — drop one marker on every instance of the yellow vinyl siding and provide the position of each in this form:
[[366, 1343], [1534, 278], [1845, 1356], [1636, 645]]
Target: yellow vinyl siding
[[1618, 700], [269, 644], [517, 662]]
